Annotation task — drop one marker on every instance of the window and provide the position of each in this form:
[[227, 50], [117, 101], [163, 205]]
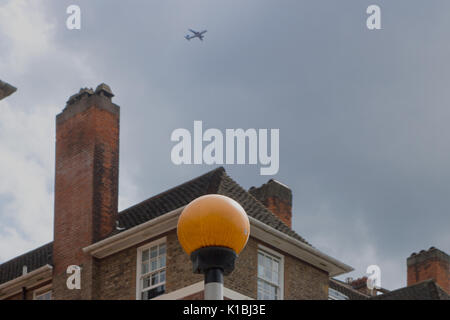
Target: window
[[151, 275], [270, 276], [43, 295]]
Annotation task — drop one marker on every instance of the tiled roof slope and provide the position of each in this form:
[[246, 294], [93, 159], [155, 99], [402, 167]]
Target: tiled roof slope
[[215, 181], [347, 290], [425, 290], [33, 260]]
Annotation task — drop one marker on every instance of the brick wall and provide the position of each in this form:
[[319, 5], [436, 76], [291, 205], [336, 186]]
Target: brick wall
[[282, 209], [179, 266], [276, 197], [117, 273], [303, 281]]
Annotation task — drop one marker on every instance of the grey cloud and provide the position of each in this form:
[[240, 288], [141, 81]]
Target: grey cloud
[[362, 115]]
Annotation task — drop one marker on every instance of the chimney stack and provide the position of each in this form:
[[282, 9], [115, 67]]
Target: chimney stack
[[431, 264], [86, 185], [276, 197]]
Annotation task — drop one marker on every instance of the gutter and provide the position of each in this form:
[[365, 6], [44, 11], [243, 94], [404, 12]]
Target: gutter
[[313, 251], [168, 221], [135, 232], [21, 282]]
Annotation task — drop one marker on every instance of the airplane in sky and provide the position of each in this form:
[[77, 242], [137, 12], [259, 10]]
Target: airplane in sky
[[196, 35]]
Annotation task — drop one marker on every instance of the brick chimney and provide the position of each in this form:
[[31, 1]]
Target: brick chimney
[[86, 185], [277, 197], [431, 264], [360, 285]]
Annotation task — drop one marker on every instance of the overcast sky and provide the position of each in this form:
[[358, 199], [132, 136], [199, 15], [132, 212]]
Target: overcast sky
[[363, 115]]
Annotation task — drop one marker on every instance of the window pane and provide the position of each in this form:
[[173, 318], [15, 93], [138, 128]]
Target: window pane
[[268, 274], [153, 252], [144, 269], [260, 271], [162, 249], [44, 296], [269, 264], [162, 276], [272, 291], [266, 262], [154, 264], [275, 277], [145, 255], [162, 261], [153, 292], [155, 279], [260, 259], [146, 282]]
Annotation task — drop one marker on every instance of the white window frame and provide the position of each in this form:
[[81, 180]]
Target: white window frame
[[139, 264], [278, 256], [43, 290]]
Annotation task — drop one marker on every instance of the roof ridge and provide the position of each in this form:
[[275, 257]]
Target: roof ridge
[[214, 181], [289, 231], [429, 285], [219, 169]]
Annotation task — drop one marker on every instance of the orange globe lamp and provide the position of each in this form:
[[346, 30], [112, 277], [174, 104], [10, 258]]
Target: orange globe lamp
[[213, 229]]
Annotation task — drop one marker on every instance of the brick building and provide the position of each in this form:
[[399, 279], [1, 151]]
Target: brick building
[[428, 278], [135, 254]]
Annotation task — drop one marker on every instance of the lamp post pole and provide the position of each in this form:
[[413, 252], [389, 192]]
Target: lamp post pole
[[214, 284]]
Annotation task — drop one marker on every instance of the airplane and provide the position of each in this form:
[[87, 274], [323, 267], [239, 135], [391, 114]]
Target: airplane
[[196, 35]]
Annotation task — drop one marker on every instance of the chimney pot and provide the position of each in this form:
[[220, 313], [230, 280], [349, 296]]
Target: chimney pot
[[104, 89]]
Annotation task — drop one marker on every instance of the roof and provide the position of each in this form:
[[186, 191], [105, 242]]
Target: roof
[[346, 289], [424, 290], [213, 182], [33, 260]]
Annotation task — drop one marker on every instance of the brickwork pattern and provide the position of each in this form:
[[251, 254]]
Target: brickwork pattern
[[86, 188]]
